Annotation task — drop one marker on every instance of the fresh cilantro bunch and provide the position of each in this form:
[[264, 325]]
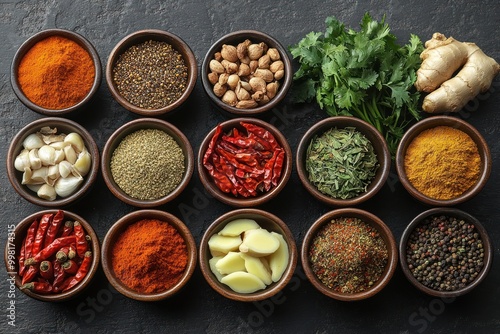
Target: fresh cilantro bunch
[[361, 73]]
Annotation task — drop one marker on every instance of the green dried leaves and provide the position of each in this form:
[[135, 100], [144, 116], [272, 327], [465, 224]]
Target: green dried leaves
[[341, 163]]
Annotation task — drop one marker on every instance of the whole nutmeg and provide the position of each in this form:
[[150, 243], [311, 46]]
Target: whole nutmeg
[[272, 89], [255, 51], [264, 74], [264, 61], [230, 67], [279, 74], [233, 80], [242, 49], [276, 66], [242, 93], [257, 84], [245, 85], [254, 64], [223, 78], [213, 78], [273, 53], [228, 52], [219, 90], [265, 99], [246, 104], [216, 66], [218, 56], [244, 70], [230, 98]]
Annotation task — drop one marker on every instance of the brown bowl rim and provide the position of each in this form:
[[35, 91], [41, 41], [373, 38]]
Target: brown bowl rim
[[15, 176], [23, 226], [250, 201], [378, 142], [451, 121], [488, 251], [29, 43], [130, 127], [159, 35], [236, 37], [257, 214], [131, 218], [368, 218]]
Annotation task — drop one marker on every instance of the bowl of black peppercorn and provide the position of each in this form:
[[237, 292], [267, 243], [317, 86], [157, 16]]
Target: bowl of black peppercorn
[[445, 252]]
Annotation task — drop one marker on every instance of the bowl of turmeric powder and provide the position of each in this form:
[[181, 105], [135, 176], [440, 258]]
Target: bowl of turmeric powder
[[443, 161], [55, 72]]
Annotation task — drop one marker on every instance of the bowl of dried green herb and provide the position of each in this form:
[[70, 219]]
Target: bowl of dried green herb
[[445, 252], [151, 72], [147, 162], [343, 161], [349, 254]]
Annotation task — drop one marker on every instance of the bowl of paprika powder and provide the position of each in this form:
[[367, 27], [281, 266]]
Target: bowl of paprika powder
[[149, 255], [52, 255], [55, 72]]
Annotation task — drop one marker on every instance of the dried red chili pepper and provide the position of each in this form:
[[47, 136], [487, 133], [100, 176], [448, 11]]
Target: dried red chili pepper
[[81, 243], [261, 133], [51, 249], [40, 233], [62, 254], [229, 171], [72, 251], [59, 276], [28, 245], [67, 229], [21, 258], [278, 167], [53, 228], [211, 145], [81, 273], [38, 287], [70, 267], [47, 270], [30, 274], [268, 174]]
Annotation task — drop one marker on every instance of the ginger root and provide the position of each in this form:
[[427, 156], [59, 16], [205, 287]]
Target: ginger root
[[441, 58]]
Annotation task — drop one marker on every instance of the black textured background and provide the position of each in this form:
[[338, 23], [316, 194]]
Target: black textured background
[[399, 308]]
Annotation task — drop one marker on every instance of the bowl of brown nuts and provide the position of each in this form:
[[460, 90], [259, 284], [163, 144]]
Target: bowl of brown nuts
[[246, 72]]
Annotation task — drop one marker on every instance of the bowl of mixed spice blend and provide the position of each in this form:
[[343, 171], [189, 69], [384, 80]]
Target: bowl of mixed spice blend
[[55, 72], [52, 255], [53, 162], [244, 162], [349, 254], [149, 255], [147, 162], [246, 73], [343, 161], [443, 161], [445, 252], [151, 72], [248, 255]]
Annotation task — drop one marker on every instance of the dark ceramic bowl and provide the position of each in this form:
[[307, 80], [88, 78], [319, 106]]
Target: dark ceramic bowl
[[373, 221], [15, 241], [265, 220], [461, 215], [379, 145], [142, 36], [456, 123], [133, 126], [28, 44], [234, 39], [120, 226], [240, 201], [63, 125]]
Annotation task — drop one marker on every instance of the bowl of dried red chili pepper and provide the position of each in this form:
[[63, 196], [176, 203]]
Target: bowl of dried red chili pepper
[[52, 255], [349, 254], [244, 162], [55, 72], [248, 255], [149, 255]]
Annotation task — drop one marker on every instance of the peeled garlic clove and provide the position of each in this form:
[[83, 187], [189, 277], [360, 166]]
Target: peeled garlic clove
[[41, 174], [22, 160], [59, 145], [53, 138], [212, 263], [35, 161], [76, 141], [238, 226], [53, 172], [70, 153], [47, 155], [230, 263], [34, 187], [259, 242], [243, 282], [64, 168], [27, 176], [47, 192], [33, 141], [219, 244], [255, 266], [82, 164], [66, 186], [278, 261]]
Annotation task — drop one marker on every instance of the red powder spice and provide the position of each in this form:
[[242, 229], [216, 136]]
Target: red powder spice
[[150, 256]]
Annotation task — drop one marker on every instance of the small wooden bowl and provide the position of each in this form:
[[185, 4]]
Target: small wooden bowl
[[265, 220], [373, 221], [120, 226], [29, 43], [379, 145], [63, 126], [142, 36], [455, 123], [233, 39], [16, 241], [135, 125], [229, 198], [459, 214]]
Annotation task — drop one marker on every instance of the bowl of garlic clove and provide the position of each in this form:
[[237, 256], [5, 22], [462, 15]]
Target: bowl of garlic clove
[[52, 162]]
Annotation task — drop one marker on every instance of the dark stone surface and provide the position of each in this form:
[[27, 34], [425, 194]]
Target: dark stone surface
[[399, 308]]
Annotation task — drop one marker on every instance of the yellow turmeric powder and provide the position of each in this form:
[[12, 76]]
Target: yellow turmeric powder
[[442, 162]]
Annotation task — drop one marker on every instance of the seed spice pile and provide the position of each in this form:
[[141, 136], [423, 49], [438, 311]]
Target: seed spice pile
[[348, 255], [151, 75], [445, 253]]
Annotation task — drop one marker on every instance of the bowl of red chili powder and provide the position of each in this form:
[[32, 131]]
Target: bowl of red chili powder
[[55, 72], [52, 255], [244, 162], [349, 254], [149, 255]]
